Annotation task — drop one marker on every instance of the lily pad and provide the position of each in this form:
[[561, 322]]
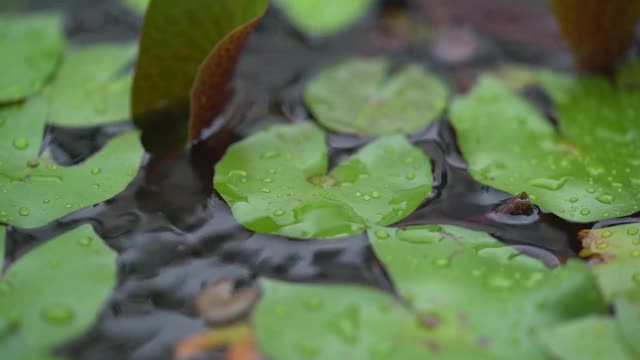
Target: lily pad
[[39, 302], [188, 52], [319, 18], [34, 190], [360, 96], [585, 170], [277, 182], [31, 48], [469, 297], [92, 86], [137, 6], [628, 321], [618, 247]]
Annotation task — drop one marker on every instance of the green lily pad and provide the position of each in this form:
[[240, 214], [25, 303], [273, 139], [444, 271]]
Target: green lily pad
[[589, 338], [39, 302], [469, 297], [628, 322], [31, 48], [34, 190], [276, 182], [93, 86], [319, 18], [584, 171], [619, 249], [359, 96]]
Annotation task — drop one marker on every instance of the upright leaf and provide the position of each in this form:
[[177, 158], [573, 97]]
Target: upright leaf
[[189, 49]]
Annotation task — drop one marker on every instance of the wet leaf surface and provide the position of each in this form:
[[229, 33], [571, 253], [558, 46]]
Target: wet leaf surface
[[31, 49], [589, 338], [277, 182], [582, 171], [618, 250], [92, 86], [40, 301], [360, 96], [188, 50], [35, 190], [466, 296], [319, 18]]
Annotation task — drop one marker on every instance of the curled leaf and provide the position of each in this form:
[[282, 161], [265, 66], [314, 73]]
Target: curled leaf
[[188, 52]]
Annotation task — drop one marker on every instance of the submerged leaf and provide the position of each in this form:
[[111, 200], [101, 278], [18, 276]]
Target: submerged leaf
[[583, 170], [31, 48], [39, 302], [322, 18], [468, 295], [618, 247], [35, 190], [188, 51], [276, 182], [360, 97], [92, 86]]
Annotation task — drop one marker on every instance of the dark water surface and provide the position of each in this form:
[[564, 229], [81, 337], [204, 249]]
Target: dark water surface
[[173, 234]]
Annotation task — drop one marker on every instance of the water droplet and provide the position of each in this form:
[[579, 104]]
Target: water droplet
[[265, 190], [46, 201], [573, 199], [632, 231], [635, 253], [375, 194], [278, 213], [96, 171], [366, 197], [605, 199], [607, 234], [57, 314], [23, 211], [358, 194], [636, 278], [270, 155], [411, 176], [272, 171], [346, 324], [86, 241], [549, 184], [314, 303], [585, 212], [499, 281], [443, 262], [68, 206], [267, 180], [591, 190], [52, 167], [20, 143], [382, 234]]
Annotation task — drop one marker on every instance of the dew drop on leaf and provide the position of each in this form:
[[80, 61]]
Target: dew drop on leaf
[[20, 143], [57, 314], [605, 199], [585, 212], [382, 234], [96, 171], [24, 211]]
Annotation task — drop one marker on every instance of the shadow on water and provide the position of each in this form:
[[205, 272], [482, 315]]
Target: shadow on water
[[174, 235]]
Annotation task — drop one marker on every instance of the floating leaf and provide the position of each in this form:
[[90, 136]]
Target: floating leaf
[[92, 86], [31, 48], [619, 249], [190, 48], [585, 170], [319, 18], [276, 182], [589, 338], [470, 297], [359, 96], [35, 190], [39, 301], [628, 321], [599, 32]]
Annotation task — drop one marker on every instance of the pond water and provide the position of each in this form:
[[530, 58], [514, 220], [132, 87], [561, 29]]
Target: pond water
[[173, 233]]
